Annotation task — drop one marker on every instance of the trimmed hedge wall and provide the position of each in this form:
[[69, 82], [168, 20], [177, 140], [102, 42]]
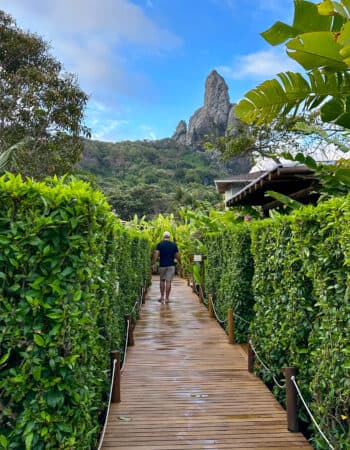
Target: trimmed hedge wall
[[301, 289], [290, 277], [68, 272], [228, 275]]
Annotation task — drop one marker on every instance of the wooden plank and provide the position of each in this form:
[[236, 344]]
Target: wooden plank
[[185, 388]]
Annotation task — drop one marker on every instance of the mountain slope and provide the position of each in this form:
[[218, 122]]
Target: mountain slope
[[151, 177]]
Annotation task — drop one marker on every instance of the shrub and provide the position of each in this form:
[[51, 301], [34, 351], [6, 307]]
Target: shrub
[[67, 275], [228, 275], [301, 289]]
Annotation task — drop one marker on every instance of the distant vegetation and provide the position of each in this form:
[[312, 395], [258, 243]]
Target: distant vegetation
[[151, 177]]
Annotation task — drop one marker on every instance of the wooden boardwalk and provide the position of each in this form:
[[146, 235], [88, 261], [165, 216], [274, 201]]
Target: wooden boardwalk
[[185, 387]]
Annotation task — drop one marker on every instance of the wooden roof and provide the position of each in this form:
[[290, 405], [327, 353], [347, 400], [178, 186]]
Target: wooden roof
[[244, 178], [298, 182]]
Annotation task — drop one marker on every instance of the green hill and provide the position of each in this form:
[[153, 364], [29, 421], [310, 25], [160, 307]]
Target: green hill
[[151, 177]]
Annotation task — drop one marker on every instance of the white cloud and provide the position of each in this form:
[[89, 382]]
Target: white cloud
[[90, 36], [118, 19], [259, 65], [108, 128]]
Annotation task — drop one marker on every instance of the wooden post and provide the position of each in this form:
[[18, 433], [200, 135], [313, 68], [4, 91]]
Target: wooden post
[[143, 295], [210, 306], [292, 404], [188, 282], [200, 294], [251, 359], [230, 326], [131, 341], [202, 276], [138, 307], [115, 355]]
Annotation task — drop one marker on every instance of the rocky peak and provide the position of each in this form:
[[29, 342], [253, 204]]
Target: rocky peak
[[212, 119], [216, 92], [180, 133]]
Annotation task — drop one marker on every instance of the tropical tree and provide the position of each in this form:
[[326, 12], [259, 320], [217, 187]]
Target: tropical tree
[[319, 40], [40, 105]]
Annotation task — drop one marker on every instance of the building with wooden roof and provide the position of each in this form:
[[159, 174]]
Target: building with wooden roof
[[297, 182]]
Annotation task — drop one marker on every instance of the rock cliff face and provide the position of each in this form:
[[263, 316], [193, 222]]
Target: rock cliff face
[[215, 118], [180, 133]]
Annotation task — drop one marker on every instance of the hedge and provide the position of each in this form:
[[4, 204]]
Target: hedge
[[301, 289], [69, 271], [228, 275]]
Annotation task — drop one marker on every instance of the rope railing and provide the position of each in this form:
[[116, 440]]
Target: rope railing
[[240, 318], [281, 386], [210, 299], [126, 345], [310, 413], [215, 312], [108, 407], [289, 378], [137, 304]]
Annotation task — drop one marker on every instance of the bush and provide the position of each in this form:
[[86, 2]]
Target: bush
[[228, 275], [301, 289], [69, 271]]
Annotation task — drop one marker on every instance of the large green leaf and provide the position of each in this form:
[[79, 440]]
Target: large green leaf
[[316, 49], [273, 98], [306, 19], [328, 8], [344, 42], [279, 33], [284, 199], [337, 110]]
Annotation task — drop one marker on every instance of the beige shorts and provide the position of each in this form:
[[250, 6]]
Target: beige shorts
[[167, 273]]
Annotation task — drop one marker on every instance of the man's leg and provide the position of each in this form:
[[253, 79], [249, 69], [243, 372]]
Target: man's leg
[[167, 290], [162, 290], [169, 279]]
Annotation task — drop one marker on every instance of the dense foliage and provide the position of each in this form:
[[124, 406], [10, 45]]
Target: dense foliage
[[40, 106], [228, 275], [318, 39], [152, 177], [69, 271], [301, 290]]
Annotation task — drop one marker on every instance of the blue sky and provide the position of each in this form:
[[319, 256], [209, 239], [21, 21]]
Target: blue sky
[[144, 62]]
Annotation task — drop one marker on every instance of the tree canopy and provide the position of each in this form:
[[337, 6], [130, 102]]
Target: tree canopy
[[40, 105]]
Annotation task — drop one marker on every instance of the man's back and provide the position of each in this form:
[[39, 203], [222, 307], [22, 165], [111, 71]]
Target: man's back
[[167, 251]]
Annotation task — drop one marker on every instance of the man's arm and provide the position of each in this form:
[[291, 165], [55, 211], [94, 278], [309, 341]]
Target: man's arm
[[178, 257], [155, 256]]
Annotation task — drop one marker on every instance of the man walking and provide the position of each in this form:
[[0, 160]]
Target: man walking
[[166, 251]]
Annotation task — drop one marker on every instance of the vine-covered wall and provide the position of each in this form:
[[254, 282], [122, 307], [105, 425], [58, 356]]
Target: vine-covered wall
[[301, 288], [68, 271], [228, 275]]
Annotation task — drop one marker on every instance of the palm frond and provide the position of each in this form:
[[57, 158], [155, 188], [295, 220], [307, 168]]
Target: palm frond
[[272, 98]]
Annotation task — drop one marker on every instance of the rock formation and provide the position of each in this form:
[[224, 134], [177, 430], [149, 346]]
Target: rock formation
[[215, 118], [180, 133]]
